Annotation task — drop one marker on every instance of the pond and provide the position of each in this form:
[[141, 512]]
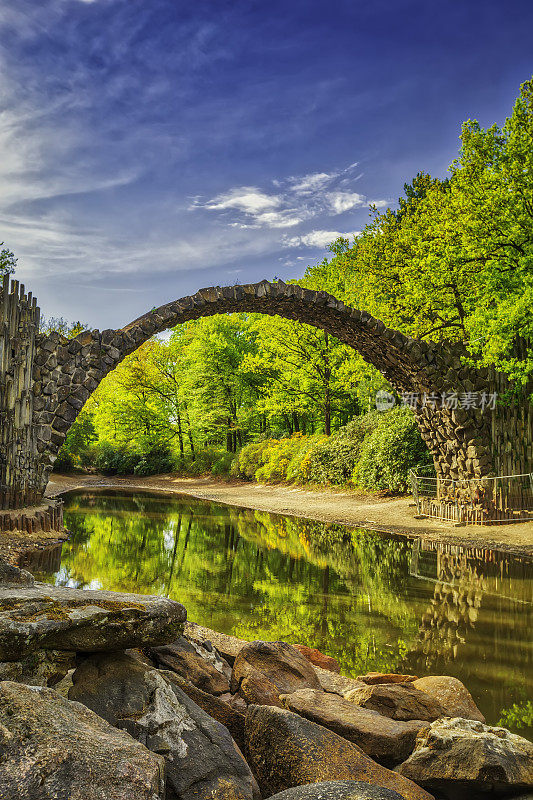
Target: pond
[[371, 600]]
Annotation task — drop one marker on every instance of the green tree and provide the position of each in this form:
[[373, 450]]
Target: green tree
[[8, 262], [455, 261]]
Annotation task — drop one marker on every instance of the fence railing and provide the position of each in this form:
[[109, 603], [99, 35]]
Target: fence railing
[[473, 501]]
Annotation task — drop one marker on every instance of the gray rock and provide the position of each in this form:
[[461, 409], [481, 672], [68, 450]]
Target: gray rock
[[458, 756], [286, 750], [202, 760], [13, 576], [383, 739], [54, 749], [40, 668], [192, 661], [228, 646], [53, 618], [338, 790]]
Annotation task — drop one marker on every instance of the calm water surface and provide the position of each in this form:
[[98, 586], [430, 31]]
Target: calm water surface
[[373, 601]]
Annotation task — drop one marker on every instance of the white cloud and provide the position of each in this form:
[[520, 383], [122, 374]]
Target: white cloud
[[244, 198], [295, 200], [312, 183], [343, 201], [317, 238]]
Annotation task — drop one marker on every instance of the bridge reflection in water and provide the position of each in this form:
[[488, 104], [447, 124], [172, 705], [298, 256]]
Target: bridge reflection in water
[[373, 601]]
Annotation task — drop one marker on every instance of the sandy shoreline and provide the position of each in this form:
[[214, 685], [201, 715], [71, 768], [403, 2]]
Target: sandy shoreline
[[392, 515]]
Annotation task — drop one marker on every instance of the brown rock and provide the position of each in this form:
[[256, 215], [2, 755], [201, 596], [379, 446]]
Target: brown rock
[[460, 757], [280, 663], [191, 661], [451, 694], [381, 738], [52, 748], [337, 684], [256, 689], [286, 750], [385, 677], [228, 646], [398, 701], [318, 659]]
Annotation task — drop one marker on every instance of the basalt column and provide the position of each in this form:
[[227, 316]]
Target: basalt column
[[20, 463]]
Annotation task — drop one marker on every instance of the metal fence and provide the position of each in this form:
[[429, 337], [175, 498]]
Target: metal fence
[[474, 501]]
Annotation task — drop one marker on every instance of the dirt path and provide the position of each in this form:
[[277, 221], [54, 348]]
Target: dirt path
[[393, 515]]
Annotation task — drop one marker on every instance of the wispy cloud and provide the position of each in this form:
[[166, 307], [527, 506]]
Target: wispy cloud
[[320, 239], [290, 202]]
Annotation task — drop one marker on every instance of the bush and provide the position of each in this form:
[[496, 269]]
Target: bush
[[223, 464], [112, 459], [389, 451], [333, 458], [155, 462], [203, 461]]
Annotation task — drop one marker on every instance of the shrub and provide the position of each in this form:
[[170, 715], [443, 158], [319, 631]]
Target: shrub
[[156, 461], [223, 464], [389, 451], [203, 461], [112, 459], [333, 458]]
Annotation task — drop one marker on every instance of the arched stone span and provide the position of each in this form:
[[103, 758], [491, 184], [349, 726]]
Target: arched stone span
[[65, 373]]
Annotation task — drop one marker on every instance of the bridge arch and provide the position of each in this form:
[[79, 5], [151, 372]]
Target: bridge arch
[[64, 372]]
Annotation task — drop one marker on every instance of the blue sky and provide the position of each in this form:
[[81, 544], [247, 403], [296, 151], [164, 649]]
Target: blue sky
[[151, 147]]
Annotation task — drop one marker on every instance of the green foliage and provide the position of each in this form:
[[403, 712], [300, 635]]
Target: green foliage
[[520, 715], [455, 262], [61, 325], [8, 262], [389, 451], [333, 460], [375, 451], [123, 460], [77, 451]]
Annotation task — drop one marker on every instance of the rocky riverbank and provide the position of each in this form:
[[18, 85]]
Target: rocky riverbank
[[117, 696]]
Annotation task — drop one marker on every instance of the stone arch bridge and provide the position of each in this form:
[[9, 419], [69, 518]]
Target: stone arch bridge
[[46, 379]]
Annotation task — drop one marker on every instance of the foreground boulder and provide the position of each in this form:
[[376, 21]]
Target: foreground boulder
[[285, 750], [40, 668], [221, 708], [54, 618], [458, 756], [399, 701], [451, 694], [381, 738], [202, 760], [192, 661], [277, 666], [338, 790], [337, 684], [53, 749], [228, 646]]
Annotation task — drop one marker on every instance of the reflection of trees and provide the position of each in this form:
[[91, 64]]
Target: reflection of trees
[[348, 592]]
